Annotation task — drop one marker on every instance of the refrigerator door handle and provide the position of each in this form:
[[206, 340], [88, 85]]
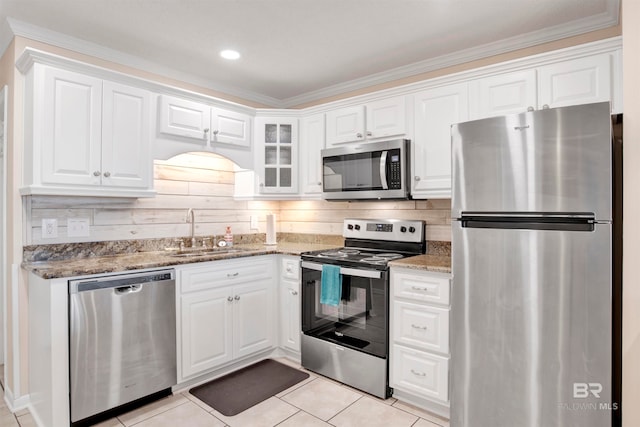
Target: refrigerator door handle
[[567, 223]]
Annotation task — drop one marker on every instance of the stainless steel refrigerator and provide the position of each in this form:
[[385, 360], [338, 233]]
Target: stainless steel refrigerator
[[533, 319]]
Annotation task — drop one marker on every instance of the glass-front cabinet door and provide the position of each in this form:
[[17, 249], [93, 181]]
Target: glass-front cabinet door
[[277, 154]]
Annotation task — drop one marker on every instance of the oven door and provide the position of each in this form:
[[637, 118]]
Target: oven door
[[359, 321]]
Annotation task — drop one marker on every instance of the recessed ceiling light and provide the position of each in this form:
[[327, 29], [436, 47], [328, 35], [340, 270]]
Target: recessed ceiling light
[[230, 54]]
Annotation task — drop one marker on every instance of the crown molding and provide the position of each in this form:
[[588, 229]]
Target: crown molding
[[577, 27], [597, 22], [32, 32]]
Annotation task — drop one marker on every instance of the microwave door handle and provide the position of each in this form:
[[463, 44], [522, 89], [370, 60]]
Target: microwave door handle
[[383, 170]]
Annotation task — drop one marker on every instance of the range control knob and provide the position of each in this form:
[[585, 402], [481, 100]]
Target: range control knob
[[412, 229], [350, 226], [403, 229], [357, 227]]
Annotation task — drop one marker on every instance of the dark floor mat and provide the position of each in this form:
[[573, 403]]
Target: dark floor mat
[[246, 387]]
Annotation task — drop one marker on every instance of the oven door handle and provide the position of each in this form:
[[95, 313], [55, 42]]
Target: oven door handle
[[345, 271]]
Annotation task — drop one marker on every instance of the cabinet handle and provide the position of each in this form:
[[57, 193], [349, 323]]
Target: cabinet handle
[[206, 131], [358, 135], [419, 374], [229, 299], [96, 173], [233, 274], [237, 298], [545, 107], [107, 174], [319, 182], [530, 109], [416, 178], [369, 133], [414, 326], [215, 132], [262, 184], [293, 292], [418, 288]]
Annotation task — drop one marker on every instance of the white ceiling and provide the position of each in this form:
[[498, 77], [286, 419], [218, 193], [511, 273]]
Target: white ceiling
[[296, 51]]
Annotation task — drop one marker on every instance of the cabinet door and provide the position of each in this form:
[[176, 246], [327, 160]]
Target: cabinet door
[[290, 317], [181, 117], [126, 121], [253, 321], [386, 118], [277, 151], [71, 117], [345, 125], [311, 143], [502, 94], [435, 111], [206, 328], [421, 373], [579, 81], [230, 127]]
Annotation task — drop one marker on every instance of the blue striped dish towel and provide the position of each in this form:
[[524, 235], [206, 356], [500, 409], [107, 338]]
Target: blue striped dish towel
[[330, 285]]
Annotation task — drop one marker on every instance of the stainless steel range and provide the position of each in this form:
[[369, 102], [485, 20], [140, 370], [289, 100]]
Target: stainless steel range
[[345, 302]]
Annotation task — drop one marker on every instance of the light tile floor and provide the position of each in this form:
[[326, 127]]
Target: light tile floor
[[317, 401]]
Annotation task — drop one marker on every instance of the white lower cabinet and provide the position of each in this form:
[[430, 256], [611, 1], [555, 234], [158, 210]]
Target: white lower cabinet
[[419, 338], [226, 311], [290, 316]]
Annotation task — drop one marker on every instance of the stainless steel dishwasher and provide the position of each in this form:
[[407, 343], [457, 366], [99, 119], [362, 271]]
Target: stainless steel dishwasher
[[122, 344]]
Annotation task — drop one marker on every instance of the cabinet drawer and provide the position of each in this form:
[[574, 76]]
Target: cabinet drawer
[[290, 268], [421, 287], [223, 273], [421, 373], [421, 326]]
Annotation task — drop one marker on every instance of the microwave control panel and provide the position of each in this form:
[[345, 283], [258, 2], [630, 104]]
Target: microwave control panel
[[395, 170]]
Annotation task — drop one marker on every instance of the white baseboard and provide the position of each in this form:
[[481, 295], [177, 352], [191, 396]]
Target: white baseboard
[[15, 404]]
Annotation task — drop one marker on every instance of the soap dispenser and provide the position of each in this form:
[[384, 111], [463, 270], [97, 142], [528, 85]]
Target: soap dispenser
[[228, 237]]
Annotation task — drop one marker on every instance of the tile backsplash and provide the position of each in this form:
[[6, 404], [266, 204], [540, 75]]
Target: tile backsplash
[[205, 183]]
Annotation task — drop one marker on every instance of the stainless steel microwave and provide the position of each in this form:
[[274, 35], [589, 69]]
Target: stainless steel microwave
[[370, 171]]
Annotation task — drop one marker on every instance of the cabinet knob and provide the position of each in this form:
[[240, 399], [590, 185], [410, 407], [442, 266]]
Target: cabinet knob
[[530, 109], [96, 173], [215, 132], [229, 299], [294, 293], [545, 107], [237, 298], [319, 182], [358, 135], [107, 174], [416, 178], [206, 131], [262, 184]]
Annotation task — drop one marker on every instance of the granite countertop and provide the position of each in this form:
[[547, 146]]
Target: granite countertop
[[144, 260], [435, 263]]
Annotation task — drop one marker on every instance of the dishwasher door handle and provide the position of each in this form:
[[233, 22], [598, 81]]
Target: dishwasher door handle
[[124, 290]]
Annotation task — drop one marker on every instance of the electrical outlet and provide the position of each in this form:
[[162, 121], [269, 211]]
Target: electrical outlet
[[49, 228], [253, 222], [78, 227]]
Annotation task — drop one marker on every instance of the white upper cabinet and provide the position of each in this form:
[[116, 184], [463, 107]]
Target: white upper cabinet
[[578, 81], [277, 154], [203, 124], [230, 127], [85, 136], [184, 118], [435, 111], [125, 126], [502, 94], [384, 118], [345, 125], [311, 143]]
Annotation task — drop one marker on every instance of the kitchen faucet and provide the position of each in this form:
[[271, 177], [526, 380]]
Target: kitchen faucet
[[191, 219]]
